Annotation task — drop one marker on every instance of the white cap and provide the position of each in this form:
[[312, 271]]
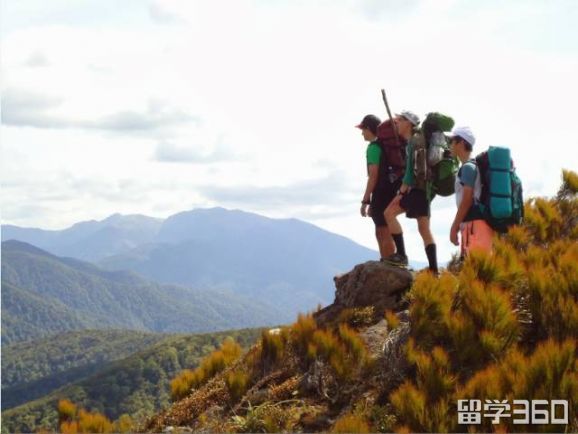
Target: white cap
[[463, 132], [410, 116]]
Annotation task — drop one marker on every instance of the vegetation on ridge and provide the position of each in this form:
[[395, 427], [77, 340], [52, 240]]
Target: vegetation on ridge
[[501, 326]]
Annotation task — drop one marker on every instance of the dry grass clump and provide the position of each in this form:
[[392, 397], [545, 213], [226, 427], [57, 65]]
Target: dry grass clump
[[211, 365], [467, 341]]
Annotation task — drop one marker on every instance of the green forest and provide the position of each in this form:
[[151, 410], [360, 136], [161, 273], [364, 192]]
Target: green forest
[[138, 385], [33, 369]]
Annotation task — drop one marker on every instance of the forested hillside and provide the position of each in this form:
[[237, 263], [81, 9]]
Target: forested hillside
[[43, 294], [138, 385], [33, 369]]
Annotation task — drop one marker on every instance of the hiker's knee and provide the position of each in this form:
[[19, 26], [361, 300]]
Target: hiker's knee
[[392, 211]]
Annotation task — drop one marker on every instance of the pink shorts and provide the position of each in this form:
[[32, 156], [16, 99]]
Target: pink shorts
[[476, 234]]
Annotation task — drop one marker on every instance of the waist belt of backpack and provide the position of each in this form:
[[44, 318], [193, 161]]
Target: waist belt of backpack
[[474, 213]]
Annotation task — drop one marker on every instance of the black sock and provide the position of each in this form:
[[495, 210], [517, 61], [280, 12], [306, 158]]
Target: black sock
[[399, 246], [430, 251]]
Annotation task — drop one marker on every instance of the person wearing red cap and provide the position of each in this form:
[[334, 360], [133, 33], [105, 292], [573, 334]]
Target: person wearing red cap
[[377, 194]]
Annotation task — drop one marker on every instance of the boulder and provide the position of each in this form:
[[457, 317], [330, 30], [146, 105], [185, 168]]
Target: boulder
[[372, 283]]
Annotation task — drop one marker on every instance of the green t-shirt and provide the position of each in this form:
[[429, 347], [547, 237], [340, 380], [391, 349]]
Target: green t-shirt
[[373, 153]]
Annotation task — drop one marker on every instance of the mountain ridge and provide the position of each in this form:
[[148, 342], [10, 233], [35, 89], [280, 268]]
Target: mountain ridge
[[34, 282], [286, 263]]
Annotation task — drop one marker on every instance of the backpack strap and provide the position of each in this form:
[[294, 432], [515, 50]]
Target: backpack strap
[[476, 212], [473, 161]]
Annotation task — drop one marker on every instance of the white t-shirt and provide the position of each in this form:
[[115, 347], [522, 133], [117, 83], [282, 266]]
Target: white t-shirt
[[468, 177]]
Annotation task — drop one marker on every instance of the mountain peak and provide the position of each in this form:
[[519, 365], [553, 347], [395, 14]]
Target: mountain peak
[[21, 246], [113, 218]]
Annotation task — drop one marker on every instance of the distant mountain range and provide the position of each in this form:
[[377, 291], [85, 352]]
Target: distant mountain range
[[91, 240], [285, 264], [43, 294]]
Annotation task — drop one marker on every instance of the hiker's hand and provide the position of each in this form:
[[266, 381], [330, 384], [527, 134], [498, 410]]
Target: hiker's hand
[[454, 235], [403, 189], [364, 209]]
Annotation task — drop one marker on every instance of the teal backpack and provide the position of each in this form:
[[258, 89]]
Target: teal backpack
[[501, 200], [434, 168]]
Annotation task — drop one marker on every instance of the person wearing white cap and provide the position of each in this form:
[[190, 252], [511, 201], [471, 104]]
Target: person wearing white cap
[[473, 229], [412, 201]]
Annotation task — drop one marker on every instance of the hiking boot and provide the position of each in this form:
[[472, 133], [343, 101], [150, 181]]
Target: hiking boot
[[396, 260]]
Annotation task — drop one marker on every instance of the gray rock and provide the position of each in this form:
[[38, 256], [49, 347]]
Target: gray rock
[[372, 283], [373, 337], [369, 284], [395, 364]]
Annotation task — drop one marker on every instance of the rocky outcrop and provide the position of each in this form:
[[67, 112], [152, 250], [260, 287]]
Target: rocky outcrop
[[311, 392], [372, 283]]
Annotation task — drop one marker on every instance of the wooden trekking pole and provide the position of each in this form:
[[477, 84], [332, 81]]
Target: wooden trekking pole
[[393, 125]]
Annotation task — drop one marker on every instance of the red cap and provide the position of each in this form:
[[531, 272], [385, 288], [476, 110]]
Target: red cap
[[370, 122]]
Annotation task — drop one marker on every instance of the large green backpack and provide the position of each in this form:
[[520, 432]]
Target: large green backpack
[[434, 168]]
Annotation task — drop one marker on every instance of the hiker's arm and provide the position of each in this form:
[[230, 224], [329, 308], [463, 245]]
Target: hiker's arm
[[372, 171], [465, 205]]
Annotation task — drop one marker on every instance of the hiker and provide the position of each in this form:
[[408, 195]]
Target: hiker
[[412, 200], [378, 194], [473, 229]]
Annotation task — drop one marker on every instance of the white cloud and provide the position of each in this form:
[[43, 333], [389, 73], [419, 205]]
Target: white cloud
[[172, 153]]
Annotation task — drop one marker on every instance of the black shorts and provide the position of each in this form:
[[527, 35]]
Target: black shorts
[[415, 204], [380, 199]]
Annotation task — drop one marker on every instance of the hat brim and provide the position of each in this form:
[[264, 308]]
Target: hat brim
[[360, 126]]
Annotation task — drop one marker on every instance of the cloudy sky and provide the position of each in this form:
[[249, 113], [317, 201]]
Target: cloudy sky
[[156, 107]]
